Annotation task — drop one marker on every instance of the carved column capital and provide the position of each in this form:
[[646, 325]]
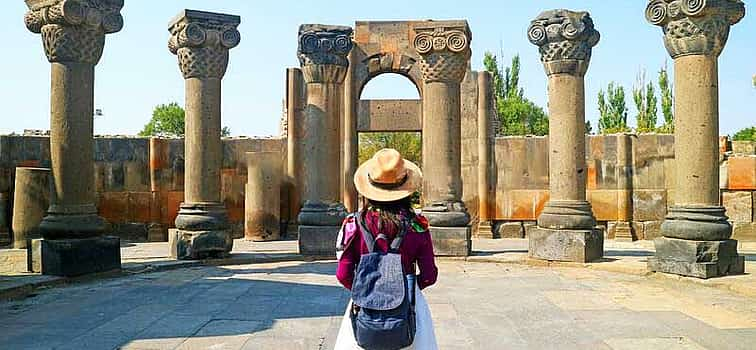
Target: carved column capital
[[695, 27], [444, 49], [74, 30], [565, 40], [323, 51], [201, 41]]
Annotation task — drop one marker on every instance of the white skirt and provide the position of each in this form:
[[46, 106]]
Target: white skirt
[[425, 338]]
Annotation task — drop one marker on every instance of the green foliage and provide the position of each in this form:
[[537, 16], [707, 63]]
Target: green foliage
[[518, 115], [409, 144], [667, 102], [644, 96], [612, 110], [747, 134], [168, 120]]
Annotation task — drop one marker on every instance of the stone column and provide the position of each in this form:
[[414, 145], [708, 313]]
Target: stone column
[[696, 232], [565, 229], [623, 230], [444, 49], [73, 37], [351, 143], [295, 109], [485, 150], [31, 198], [262, 196], [322, 52], [201, 40]]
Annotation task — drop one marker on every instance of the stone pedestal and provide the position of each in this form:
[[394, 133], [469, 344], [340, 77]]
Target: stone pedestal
[[30, 201], [262, 197], [73, 34], [566, 225], [702, 259], [444, 49], [696, 226], [565, 245], [201, 41], [74, 257], [322, 53], [451, 241]]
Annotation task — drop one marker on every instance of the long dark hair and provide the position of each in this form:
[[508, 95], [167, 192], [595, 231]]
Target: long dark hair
[[391, 214]]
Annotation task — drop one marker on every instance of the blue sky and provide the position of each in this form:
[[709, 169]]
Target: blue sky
[[137, 72]]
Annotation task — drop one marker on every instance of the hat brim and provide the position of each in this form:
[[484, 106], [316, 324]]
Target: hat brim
[[368, 190]]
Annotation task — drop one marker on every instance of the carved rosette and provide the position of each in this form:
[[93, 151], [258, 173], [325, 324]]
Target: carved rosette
[[695, 27], [565, 40], [74, 30], [444, 52], [201, 40], [323, 51]]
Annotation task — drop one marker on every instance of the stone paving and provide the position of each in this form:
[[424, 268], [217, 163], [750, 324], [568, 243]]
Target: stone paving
[[298, 305]]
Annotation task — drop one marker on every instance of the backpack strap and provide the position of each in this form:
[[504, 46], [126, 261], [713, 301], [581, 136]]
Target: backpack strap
[[367, 236], [397, 242]]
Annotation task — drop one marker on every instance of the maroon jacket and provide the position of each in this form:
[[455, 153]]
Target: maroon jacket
[[416, 249]]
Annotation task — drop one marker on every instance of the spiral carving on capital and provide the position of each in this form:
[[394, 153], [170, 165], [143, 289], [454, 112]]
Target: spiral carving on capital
[[444, 52], [324, 45], [74, 30], [565, 40], [695, 27], [201, 41]]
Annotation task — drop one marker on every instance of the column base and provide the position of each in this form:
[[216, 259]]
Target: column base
[[196, 245], [447, 214], [451, 241], [703, 223], [202, 232], [74, 257], [567, 215], [485, 230], [322, 214], [701, 259], [623, 232], [318, 241], [565, 245], [59, 225]]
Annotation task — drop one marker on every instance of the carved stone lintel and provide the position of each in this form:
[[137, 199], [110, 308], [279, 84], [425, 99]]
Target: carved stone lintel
[[201, 41], [74, 30], [565, 40], [323, 51], [695, 27], [444, 48]]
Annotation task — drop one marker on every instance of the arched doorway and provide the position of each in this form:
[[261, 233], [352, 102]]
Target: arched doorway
[[389, 115]]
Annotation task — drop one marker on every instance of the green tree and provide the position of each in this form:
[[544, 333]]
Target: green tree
[[612, 110], [644, 96], [518, 115], [667, 102], [747, 134], [169, 120], [409, 144]]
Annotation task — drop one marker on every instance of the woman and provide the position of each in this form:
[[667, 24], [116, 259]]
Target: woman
[[387, 181]]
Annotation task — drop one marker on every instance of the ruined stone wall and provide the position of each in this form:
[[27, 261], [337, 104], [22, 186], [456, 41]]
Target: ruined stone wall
[[139, 181], [522, 176]]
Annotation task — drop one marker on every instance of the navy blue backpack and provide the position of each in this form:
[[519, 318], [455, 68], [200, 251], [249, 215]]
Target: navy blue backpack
[[384, 314]]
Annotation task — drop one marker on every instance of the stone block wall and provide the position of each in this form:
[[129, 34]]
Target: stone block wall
[[521, 178], [139, 181]]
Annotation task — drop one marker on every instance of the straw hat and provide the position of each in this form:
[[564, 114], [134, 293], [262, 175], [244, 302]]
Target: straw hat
[[387, 177]]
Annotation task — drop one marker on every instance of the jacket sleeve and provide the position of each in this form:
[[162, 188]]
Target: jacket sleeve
[[426, 262], [348, 261]]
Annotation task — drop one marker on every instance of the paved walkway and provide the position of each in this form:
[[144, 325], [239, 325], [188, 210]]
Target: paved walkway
[[298, 305]]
